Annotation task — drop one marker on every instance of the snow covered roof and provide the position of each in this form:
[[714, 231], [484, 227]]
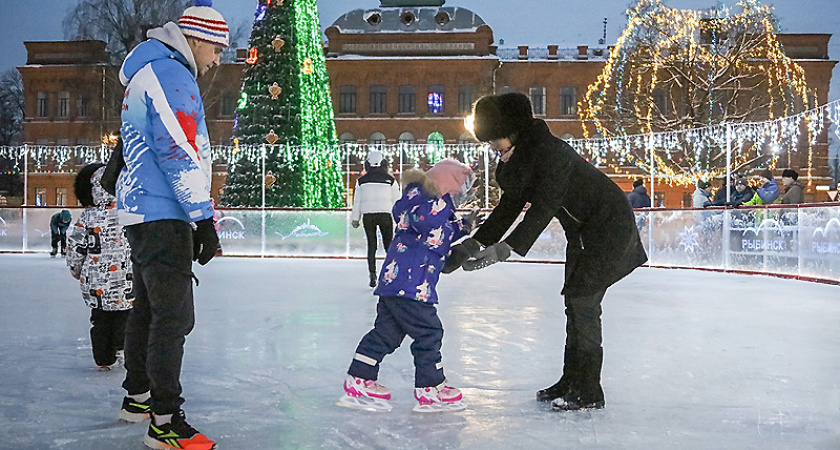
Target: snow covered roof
[[409, 19], [541, 53]]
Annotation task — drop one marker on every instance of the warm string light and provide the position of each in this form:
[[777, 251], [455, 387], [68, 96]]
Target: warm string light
[[661, 44]]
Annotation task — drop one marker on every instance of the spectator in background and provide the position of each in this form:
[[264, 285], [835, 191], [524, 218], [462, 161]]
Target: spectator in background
[[702, 195], [739, 193], [743, 192], [768, 192], [639, 197], [794, 189], [720, 194], [374, 198], [58, 231]]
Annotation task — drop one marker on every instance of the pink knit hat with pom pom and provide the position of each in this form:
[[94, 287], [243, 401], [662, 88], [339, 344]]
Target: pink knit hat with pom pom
[[449, 175]]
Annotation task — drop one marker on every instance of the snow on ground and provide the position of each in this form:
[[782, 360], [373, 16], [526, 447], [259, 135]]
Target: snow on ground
[[693, 360]]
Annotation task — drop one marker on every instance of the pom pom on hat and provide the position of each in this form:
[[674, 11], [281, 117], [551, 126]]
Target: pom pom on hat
[[204, 23], [449, 175]]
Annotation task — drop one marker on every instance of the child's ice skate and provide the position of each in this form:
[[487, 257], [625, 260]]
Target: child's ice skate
[[438, 398], [364, 394]]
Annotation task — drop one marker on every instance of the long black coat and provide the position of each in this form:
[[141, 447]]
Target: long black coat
[[604, 244]]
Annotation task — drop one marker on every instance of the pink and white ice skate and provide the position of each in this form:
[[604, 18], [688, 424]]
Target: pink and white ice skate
[[364, 394], [438, 398]]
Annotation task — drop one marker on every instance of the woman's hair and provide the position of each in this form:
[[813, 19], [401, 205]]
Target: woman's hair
[[501, 116], [83, 187]]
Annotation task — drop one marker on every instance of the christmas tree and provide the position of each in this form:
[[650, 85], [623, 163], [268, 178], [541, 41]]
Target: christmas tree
[[286, 111]]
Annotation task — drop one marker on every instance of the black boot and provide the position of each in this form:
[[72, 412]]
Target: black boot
[[563, 386], [372, 279], [588, 393]]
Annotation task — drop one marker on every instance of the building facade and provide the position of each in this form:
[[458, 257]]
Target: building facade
[[406, 72]]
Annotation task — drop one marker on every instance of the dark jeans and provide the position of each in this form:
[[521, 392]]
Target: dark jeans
[[59, 238], [107, 334], [386, 227], [397, 317], [163, 311]]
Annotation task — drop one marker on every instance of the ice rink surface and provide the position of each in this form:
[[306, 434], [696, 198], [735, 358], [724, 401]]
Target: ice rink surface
[[693, 360]]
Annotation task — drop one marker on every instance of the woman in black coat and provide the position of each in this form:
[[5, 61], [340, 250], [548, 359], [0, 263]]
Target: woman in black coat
[[603, 243]]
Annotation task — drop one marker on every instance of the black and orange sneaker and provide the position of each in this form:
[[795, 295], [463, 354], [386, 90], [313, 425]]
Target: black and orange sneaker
[[134, 411], [177, 434]]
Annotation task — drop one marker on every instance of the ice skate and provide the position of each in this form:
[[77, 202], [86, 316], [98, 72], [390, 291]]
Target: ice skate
[[577, 400], [134, 411], [367, 395], [53, 252], [440, 398], [372, 280]]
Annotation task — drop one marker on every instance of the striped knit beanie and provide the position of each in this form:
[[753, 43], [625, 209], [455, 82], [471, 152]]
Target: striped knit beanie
[[204, 23]]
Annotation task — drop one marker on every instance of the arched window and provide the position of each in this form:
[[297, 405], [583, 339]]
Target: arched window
[[376, 138], [346, 138], [465, 139], [407, 138], [435, 138]]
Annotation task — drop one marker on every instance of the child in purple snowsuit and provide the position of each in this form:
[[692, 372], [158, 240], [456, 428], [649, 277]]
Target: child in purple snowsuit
[[426, 227]]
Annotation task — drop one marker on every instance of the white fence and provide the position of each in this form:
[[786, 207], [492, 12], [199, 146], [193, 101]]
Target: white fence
[[799, 241]]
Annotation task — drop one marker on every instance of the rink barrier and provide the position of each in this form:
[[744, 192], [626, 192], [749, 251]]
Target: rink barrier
[[791, 241]]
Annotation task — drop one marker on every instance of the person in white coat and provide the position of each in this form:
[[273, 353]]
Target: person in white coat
[[374, 198]]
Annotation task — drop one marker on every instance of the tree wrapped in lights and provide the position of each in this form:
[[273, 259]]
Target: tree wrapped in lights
[[285, 114], [676, 70]]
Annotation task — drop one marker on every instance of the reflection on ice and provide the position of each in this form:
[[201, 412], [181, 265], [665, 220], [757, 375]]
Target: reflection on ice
[[692, 360]]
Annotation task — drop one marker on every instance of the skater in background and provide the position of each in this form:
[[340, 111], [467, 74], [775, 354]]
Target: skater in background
[[603, 243], [59, 222], [426, 227], [163, 198], [375, 195], [99, 257]]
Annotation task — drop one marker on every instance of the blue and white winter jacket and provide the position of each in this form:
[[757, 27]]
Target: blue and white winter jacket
[[165, 140], [426, 227]]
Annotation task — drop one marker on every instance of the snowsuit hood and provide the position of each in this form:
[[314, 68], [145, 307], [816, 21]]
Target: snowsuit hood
[[166, 42], [100, 196]]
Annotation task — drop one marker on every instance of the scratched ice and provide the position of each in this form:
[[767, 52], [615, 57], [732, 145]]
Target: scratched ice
[[694, 360]]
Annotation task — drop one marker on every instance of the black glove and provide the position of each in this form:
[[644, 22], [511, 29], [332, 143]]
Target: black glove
[[354, 223], [497, 252], [205, 241], [459, 254]]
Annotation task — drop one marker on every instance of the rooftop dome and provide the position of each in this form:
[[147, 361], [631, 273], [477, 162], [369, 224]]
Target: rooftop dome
[[407, 19]]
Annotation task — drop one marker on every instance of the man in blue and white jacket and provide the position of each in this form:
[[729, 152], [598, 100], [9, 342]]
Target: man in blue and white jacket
[[163, 198]]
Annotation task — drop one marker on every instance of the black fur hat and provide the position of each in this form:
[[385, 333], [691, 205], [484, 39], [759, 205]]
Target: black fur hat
[[82, 186], [501, 116]]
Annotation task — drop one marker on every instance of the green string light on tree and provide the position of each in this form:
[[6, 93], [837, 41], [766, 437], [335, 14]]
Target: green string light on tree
[[286, 89]]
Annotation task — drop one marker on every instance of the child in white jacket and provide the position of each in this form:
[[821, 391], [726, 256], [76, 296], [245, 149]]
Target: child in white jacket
[[99, 257]]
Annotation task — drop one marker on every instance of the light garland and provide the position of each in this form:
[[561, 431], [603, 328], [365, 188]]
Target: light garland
[[783, 134]]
